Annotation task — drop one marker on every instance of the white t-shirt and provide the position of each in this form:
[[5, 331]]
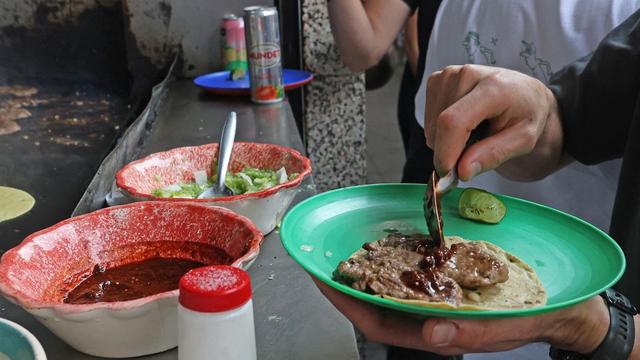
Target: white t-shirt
[[536, 37]]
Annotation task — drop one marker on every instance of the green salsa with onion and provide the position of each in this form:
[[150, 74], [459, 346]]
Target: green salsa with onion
[[248, 180]]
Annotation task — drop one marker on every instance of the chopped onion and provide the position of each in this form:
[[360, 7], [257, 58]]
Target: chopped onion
[[281, 175], [200, 177], [183, 197], [207, 193], [246, 178], [173, 187]]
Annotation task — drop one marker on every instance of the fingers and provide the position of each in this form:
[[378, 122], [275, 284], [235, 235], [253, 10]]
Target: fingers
[[361, 314], [578, 328], [516, 107], [442, 336], [432, 106], [451, 337], [454, 124], [491, 152], [375, 323], [445, 87]]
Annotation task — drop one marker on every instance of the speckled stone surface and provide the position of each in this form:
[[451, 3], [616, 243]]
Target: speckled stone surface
[[334, 106]]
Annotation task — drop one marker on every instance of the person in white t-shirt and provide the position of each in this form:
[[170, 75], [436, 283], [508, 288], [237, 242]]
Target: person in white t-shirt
[[537, 38]]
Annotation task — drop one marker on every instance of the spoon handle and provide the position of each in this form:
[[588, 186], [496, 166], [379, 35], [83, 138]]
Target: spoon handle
[[226, 146]]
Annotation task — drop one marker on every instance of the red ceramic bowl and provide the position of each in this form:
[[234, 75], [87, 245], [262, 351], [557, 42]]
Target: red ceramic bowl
[[265, 208], [40, 271]]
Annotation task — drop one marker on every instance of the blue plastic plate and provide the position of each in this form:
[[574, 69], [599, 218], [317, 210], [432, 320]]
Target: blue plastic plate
[[219, 82]]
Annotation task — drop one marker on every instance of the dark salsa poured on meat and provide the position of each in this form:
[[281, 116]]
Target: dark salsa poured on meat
[[415, 267]]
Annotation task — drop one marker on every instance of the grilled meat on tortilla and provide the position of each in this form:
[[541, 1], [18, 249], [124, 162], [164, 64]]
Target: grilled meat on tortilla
[[464, 275]]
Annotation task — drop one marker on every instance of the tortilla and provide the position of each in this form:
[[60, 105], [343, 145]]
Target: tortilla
[[14, 202], [523, 289]]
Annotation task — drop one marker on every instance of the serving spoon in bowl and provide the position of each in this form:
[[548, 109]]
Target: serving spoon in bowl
[[224, 156]]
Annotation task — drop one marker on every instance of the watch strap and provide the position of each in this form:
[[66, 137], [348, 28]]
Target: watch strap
[[559, 354], [618, 343]]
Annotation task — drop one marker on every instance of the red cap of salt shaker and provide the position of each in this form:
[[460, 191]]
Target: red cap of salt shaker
[[214, 288]]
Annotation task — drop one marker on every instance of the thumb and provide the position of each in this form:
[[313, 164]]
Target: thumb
[[491, 152], [448, 336], [441, 333]]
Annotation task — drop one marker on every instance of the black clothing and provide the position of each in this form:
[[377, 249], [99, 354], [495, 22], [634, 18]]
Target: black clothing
[[428, 9], [598, 98], [419, 158], [406, 107], [419, 163], [413, 4], [398, 353]]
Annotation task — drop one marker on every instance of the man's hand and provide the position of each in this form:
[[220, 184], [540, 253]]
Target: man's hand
[[579, 328], [522, 115]]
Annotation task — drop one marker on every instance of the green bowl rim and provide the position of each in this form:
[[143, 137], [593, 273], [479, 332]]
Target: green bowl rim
[[35, 347], [429, 311]]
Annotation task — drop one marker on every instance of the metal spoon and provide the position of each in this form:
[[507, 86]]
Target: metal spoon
[[436, 187], [439, 186], [224, 155]]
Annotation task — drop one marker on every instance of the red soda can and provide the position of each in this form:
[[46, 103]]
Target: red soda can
[[262, 32]]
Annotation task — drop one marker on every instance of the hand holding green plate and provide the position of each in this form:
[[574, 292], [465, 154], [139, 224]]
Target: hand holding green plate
[[573, 259]]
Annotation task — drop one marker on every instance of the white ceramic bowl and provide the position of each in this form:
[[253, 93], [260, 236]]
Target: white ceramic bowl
[[265, 208], [39, 272]]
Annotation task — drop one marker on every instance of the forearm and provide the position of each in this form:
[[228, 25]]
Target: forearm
[[364, 32]]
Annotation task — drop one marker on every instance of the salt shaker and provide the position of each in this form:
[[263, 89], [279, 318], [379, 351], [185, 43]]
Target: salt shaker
[[215, 315]]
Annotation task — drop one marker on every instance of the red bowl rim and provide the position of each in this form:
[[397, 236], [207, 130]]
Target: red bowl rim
[[120, 181], [29, 303]]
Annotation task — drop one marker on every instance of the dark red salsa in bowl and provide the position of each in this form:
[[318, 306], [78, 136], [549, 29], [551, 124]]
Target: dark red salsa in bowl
[[146, 277], [115, 271]]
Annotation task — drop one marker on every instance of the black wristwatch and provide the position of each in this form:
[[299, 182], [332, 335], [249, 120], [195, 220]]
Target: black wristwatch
[[618, 343]]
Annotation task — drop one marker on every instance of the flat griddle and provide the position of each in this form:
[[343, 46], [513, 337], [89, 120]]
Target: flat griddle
[[54, 150], [64, 100]]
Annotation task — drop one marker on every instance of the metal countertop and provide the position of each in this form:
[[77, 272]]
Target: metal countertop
[[292, 319]]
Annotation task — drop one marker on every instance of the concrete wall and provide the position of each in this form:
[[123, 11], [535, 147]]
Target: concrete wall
[[19, 13], [63, 40], [159, 26]]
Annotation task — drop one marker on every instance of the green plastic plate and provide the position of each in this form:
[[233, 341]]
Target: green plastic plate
[[573, 259]]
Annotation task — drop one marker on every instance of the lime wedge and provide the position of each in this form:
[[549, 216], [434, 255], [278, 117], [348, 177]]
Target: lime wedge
[[479, 205]]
